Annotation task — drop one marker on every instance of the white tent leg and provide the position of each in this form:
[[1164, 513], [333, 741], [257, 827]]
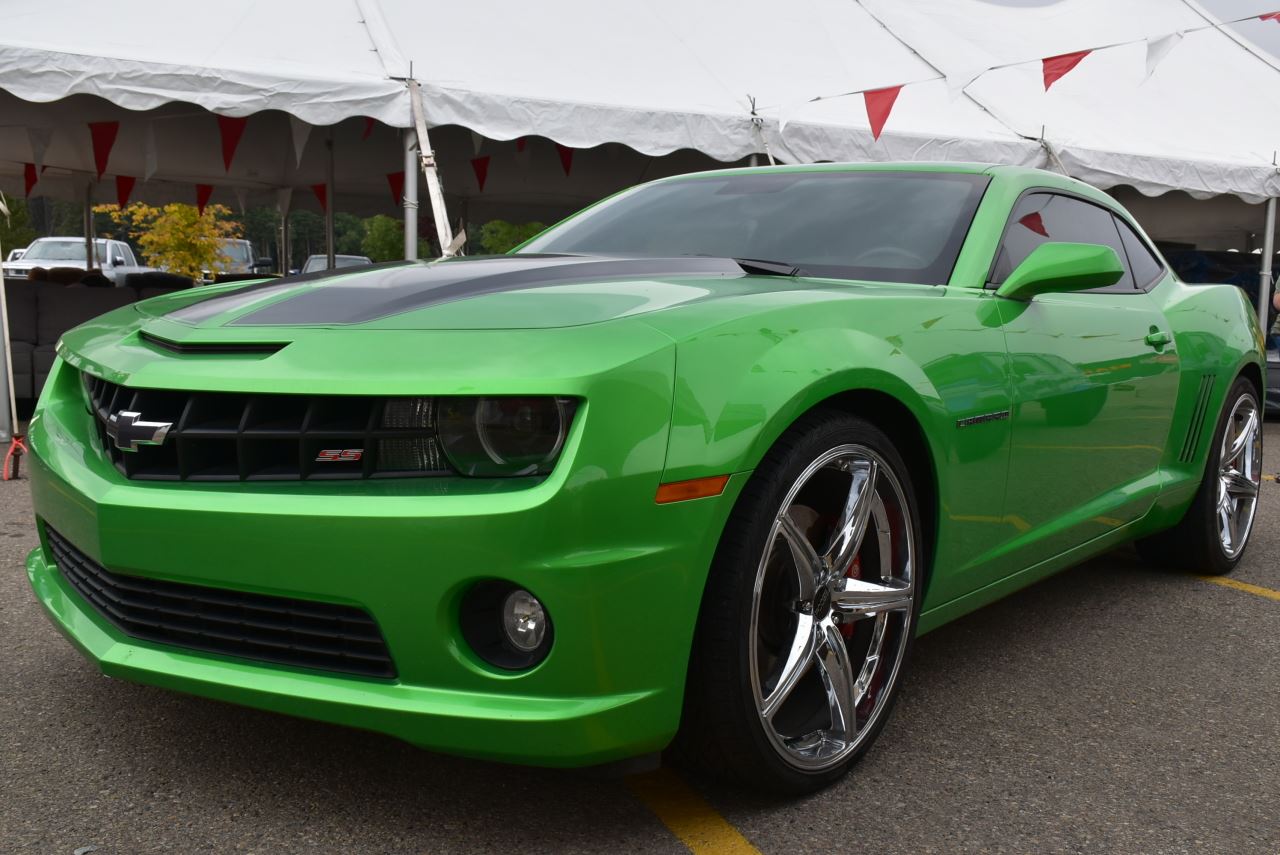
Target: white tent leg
[[410, 199], [1264, 275], [283, 199], [88, 225], [329, 206]]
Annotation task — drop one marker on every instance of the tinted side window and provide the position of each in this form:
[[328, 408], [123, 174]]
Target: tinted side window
[[1042, 217], [1144, 264]]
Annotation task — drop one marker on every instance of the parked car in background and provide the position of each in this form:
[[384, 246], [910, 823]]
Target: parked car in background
[[15, 254], [112, 257], [320, 262], [239, 256]]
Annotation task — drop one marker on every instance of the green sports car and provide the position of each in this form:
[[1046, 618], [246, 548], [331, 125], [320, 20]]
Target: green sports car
[[695, 465]]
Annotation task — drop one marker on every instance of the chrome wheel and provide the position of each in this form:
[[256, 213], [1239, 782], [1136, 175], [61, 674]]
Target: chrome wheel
[[1239, 475], [832, 607]]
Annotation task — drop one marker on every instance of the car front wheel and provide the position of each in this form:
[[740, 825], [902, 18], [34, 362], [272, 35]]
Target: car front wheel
[[809, 612]]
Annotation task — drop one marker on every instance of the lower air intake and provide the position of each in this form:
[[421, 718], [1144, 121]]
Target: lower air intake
[[279, 630]]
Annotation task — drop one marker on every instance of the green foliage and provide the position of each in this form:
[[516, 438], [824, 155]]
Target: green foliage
[[499, 236], [383, 238], [16, 233], [176, 237]]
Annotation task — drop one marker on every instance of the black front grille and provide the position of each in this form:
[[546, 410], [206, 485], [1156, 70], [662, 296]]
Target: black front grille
[[281, 630], [227, 436]]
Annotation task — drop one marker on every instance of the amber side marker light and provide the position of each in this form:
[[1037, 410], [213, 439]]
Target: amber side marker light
[[696, 488]]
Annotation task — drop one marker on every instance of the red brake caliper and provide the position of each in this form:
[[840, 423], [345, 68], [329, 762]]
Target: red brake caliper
[[854, 572]]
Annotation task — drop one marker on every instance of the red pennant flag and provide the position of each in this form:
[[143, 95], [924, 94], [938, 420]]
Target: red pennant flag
[[232, 129], [203, 192], [1270, 16], [1034, 222], [480, 166], [368, 128], [1056, 67], [396, 181], [879, 105], [521, 142], [104, 138], [124, 187], [566, 158], [322, 195], [29, 177]]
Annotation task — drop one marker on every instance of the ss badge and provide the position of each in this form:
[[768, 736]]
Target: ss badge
[[339, 455]]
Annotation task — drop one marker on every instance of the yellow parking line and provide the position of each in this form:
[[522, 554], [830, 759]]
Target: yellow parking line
[[1243, 586], [1268, 477], [688, 815]]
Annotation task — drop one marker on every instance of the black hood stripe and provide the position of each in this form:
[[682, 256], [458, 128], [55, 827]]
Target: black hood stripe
[[194, 313], [407, 288]]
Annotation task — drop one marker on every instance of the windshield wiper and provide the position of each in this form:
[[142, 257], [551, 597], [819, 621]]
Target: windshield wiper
[[764, 267]]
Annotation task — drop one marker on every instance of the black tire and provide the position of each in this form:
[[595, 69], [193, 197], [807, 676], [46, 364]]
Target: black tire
[[723, 732], [1194, 544]]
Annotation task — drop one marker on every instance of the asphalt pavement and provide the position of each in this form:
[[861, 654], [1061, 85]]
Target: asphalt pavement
[[1113, 708]]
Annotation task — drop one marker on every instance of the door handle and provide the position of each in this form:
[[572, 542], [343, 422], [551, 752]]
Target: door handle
[[1158, 338]]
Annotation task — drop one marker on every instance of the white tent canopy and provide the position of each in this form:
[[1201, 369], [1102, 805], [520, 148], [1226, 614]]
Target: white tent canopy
[[713, 80]]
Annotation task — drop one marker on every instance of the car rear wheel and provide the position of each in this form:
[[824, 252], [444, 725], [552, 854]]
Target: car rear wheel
[[1212, 537], [809, 612]]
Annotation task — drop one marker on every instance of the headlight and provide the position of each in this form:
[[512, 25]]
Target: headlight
[[503, 437]]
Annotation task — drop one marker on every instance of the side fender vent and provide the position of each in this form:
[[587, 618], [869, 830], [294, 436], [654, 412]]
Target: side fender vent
[[1196, 428]]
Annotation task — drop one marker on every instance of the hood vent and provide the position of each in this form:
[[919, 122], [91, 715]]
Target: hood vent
[[201, 348]]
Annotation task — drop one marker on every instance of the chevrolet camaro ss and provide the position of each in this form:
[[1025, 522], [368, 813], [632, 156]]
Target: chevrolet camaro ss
[[691, 468]]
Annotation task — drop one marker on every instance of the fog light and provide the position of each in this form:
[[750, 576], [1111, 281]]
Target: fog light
[[523, 620], [505, 625]]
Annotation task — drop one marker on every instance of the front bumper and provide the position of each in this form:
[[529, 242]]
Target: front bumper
[[620, 575]]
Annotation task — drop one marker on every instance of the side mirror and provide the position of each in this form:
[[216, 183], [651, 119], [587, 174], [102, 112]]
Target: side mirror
[[118, 261], [1061, 267]]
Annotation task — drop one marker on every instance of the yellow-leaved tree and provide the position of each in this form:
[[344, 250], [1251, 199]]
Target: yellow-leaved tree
[[177, 238]]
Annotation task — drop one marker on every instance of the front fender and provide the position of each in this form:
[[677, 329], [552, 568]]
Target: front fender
[[738, 390]]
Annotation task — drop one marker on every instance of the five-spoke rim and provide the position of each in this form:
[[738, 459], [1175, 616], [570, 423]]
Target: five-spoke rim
[[832, 607], [1239, 475]]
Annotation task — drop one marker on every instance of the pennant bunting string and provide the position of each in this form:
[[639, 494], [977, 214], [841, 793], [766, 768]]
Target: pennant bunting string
[[103, 135], [480, 166], [322, 196], [231, 128], [124, 189], [879, 103], [203, 192], [395, 180], [566, 158], [29, 177]]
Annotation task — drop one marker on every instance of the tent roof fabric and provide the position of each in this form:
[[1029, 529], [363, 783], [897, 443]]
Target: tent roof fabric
[[727, 78]]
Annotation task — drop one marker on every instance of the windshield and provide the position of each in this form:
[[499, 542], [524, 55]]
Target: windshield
[[61, 250], [236, 252], [319, 262], [883, 226]]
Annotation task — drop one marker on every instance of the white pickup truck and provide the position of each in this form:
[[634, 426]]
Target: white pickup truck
[[112, 257]]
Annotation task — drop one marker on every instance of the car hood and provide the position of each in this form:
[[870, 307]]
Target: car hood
[[508, 292]]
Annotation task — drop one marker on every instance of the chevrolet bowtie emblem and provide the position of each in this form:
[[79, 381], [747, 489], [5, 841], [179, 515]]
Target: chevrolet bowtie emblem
[[128, 431]]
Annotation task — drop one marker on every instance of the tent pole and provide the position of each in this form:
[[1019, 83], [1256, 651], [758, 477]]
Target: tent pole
[[427, 157], [88, 225], [286, 258], [410, 199], [1264, 274], [329, 205]]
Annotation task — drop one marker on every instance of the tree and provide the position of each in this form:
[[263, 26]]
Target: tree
[[16, 231], [383, 238], [176, 237], [499, 236]]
